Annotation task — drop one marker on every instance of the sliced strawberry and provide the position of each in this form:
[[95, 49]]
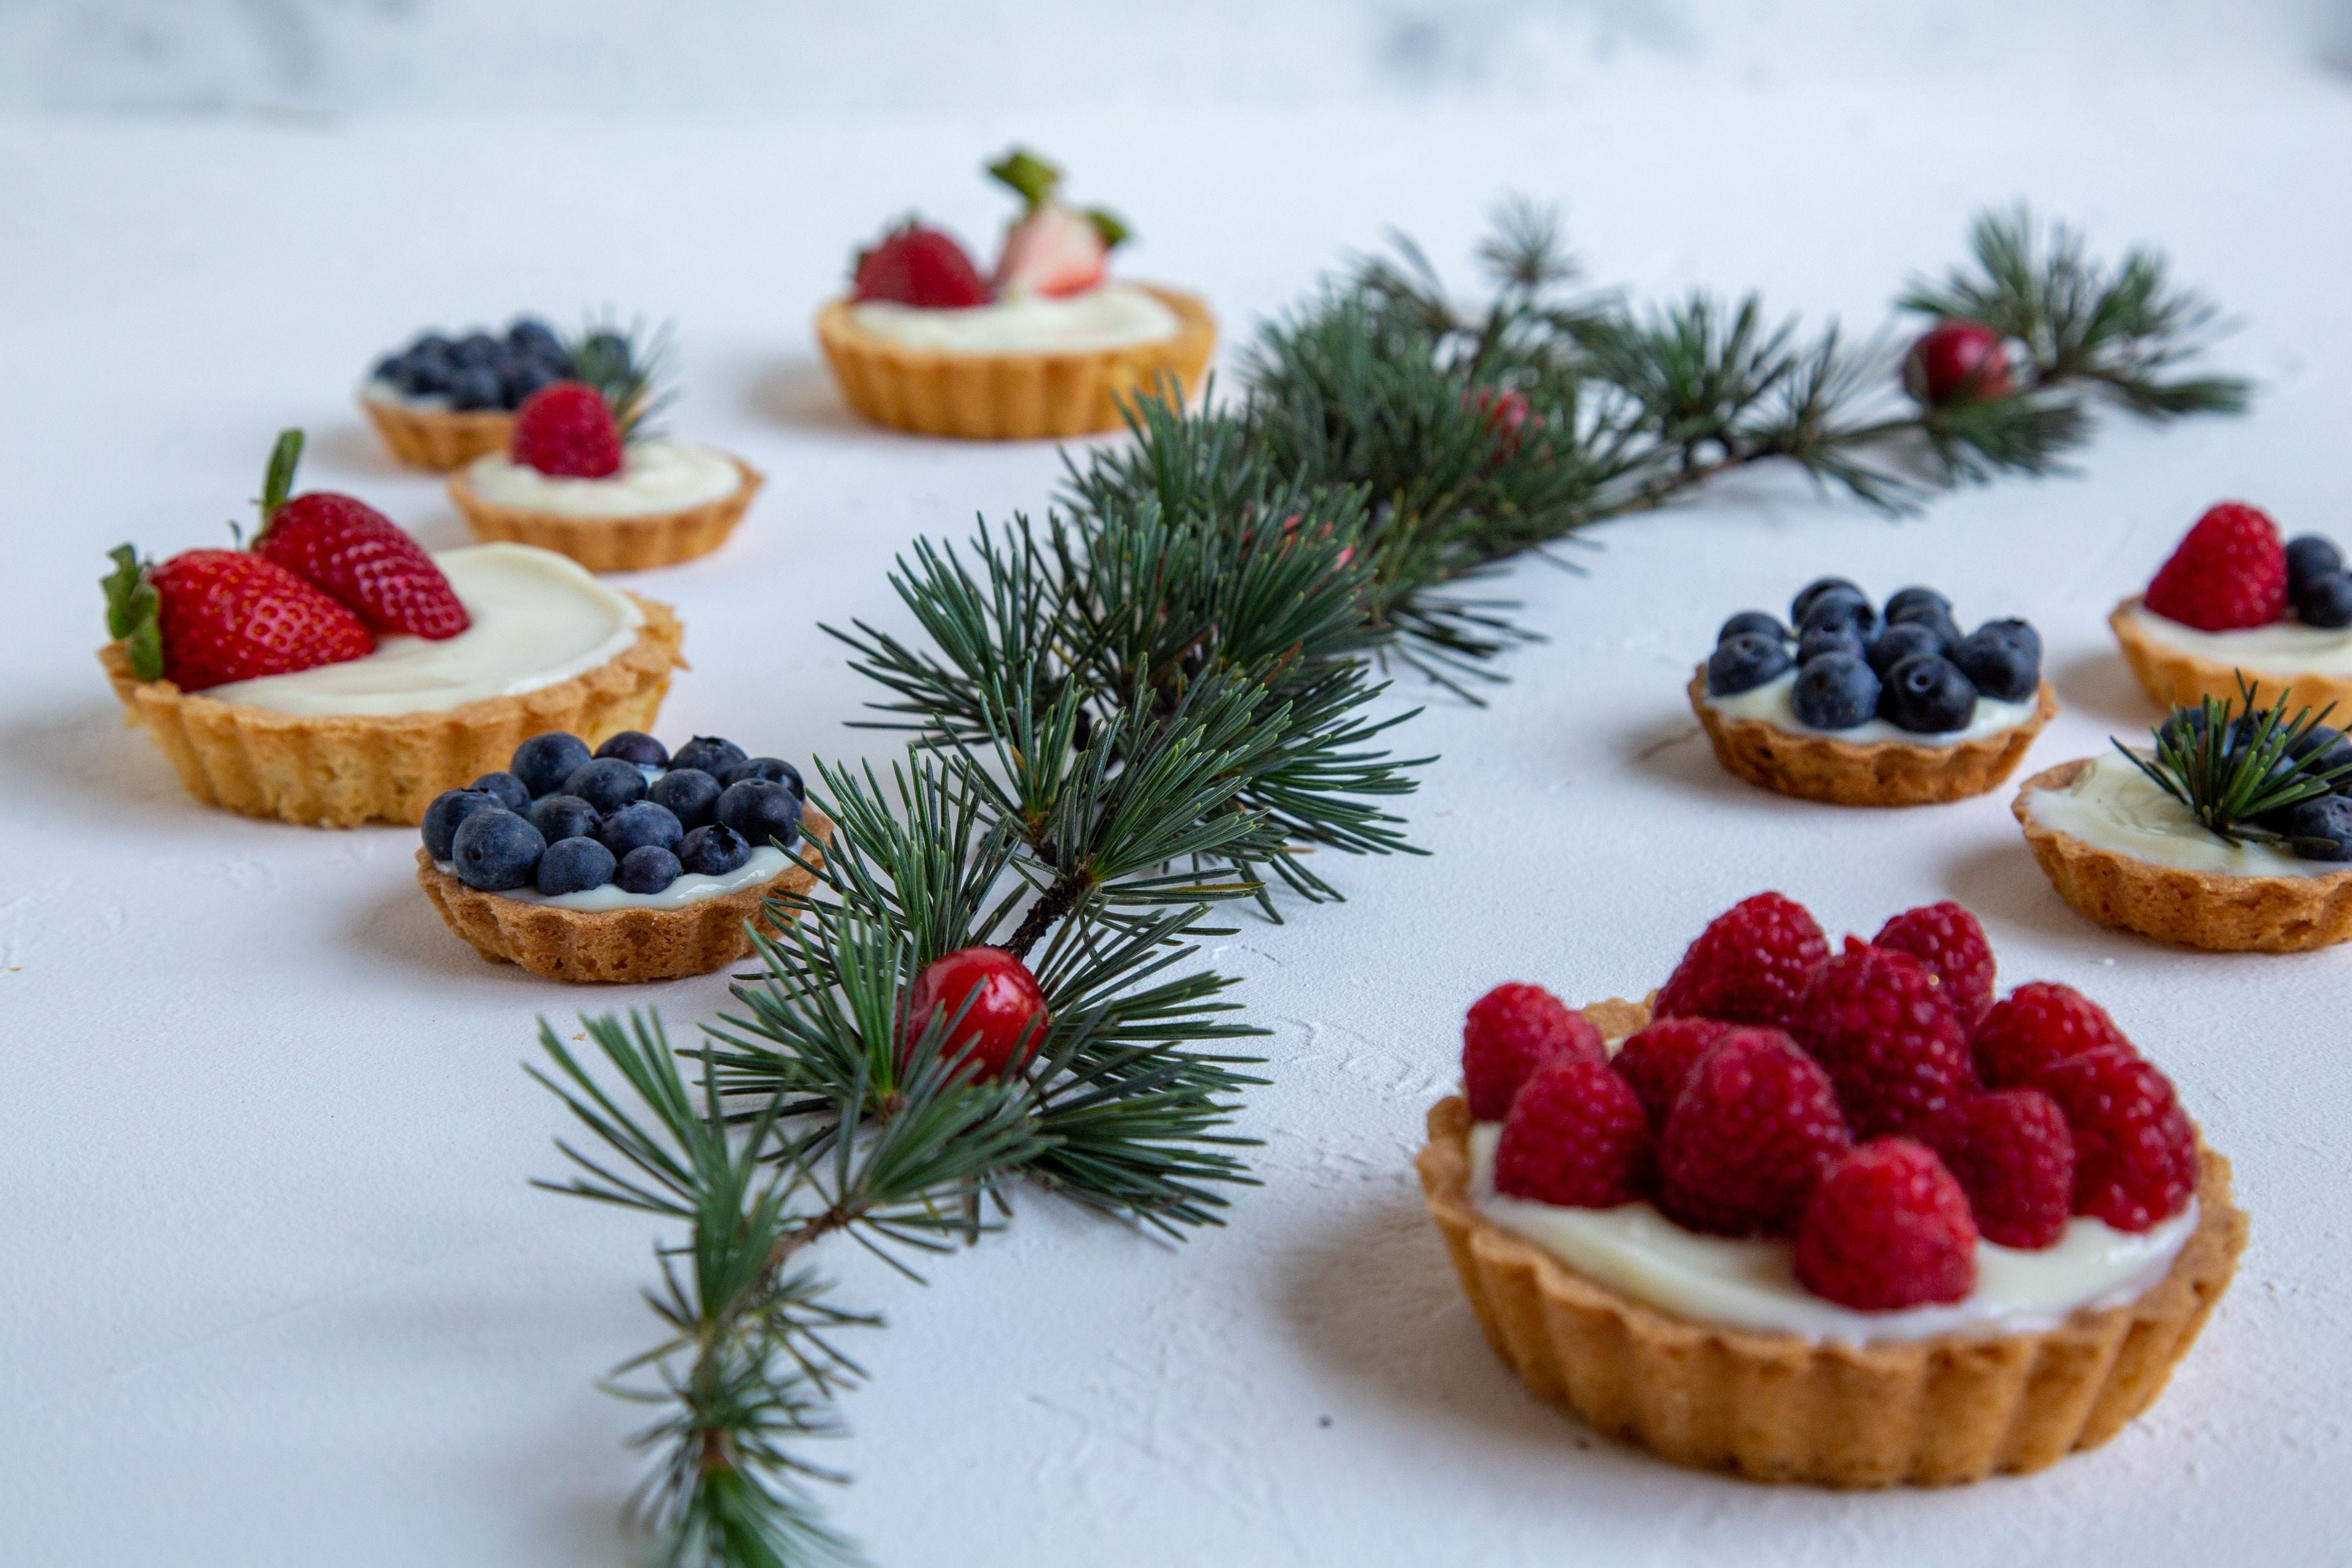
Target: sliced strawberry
[[207, 616], [1051, 248], [354, 554], [912, 264]]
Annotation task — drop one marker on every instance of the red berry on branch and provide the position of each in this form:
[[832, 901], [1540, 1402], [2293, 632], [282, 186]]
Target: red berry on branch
[[1003, 1026], [1953, 362], [1506, 414]]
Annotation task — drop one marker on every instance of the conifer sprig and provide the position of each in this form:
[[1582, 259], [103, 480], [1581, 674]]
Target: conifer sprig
[[2232, 764]]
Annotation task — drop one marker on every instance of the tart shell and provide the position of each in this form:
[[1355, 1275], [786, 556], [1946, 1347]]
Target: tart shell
[[613, 544], [438, 438], [342, 770], [1865, 772], [2197, 909], [1012, 397], [2174, 677], [619, 947], [1780, 1407]]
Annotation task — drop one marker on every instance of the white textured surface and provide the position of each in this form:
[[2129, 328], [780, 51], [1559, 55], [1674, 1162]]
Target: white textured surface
[[275, 1289]]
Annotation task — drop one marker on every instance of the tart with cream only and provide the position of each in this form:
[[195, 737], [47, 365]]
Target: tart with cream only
[[1820, 1249], [1853, 711], [2234, 599], [1047, 346], [336, 673], [441, 402]]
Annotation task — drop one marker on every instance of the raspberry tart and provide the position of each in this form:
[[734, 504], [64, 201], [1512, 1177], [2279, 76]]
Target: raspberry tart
[[624, 864], [2231, 832], [1854, 710], [2235, 599], [1841, 1220], [440, 402], [1046, 345], [337, 673]]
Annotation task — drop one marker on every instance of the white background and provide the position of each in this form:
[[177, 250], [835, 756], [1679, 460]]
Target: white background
[[272, 1287]]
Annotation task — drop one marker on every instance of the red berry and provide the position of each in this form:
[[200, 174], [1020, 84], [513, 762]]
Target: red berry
[[1894, 1046], [1656, 1061], [925, 268], [2134, 1151], [567, 429], [1887, 1228], [1508, 413], [1575, 1136], [227, 614], [1753, 1128], [354, 553], [1510, 1033], [1949, 940], [1006, 1019], [1751, 965], [2013, 1156], [2229, 572], [1053, 251], [2036, 1024], [1954, 360]]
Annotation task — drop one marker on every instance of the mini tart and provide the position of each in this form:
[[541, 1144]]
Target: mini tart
[[1779, 1408], [342, 770], [440, 438], [2176, 677], [2209, 910], [624, 946], [1014, 396], [1865, 772], [613, 544]]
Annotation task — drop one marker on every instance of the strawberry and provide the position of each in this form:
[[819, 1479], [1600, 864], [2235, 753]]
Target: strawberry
[[1751, 965], [1753, 1128], [1510, 1033], [1888, 1228], [1954, 361], [1576, 1136], [354, 554], [1051, 249], [2229, 572], [1949, 940], [567, 429], [912, 264], [207, 616], [1897, 1048]]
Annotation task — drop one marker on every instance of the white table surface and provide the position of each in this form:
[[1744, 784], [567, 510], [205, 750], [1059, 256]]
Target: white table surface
[[273, 1289]]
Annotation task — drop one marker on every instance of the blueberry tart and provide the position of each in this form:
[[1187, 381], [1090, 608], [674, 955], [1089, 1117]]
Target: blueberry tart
[[440, 402]]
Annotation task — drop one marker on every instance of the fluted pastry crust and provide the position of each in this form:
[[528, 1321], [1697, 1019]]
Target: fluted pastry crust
[[440, 438], [613, 544], [1865, 772], [2175, 678]]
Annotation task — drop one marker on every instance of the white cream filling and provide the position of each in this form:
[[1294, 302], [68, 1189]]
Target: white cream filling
[[766, 863], [538, 619], [2283, 648], [654, 476], [1751, 1283], [1774, 703], [378, 390], [2113, 806], [1112, 315]]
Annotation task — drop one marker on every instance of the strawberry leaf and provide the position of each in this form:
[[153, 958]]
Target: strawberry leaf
[[277, 484], [1110, 225], [131, 603], [1031, 177]]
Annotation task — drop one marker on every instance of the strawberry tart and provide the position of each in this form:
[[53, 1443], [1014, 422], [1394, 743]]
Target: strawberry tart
[[1047, 344], [1838, 1219], [2236, 598], [336, 672]]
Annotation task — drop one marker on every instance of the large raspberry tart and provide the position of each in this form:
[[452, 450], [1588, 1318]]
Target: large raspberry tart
[[2236, 600]]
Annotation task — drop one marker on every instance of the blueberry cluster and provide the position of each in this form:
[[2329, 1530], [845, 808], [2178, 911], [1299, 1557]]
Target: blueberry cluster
[[478, 371], [2319, 828], [2316, 584], [1913, 667], [632, 814]]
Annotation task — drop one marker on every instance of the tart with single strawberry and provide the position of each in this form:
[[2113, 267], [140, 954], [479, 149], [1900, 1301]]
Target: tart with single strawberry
[[2236, 599], [440, 402], [1853, 708], [624, 864], [585, 474], [2233, 831], [336, 672], [1842, 1220], [1047, 344]]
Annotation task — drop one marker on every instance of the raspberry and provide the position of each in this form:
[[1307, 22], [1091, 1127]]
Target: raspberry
[[1887, 1228], [2015, 1159], [1947, 940], [1657, 1060], [2134, 1151], [567, 429], [1751, 965], [1897, 1050], [2229, 572], [2036, 1024], [1510, 1033], [1576, 1136], [1753, 1129]]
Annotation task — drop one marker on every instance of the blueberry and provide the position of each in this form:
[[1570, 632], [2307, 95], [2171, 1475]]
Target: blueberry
[[526, 377], [495, 850], [525, 334], [1840, 609], [2001, 660], [1743, 663], [574, 866], [607, 783], [442, 818], [1813, 590], [562, 816], [1938, 621], [2332, 750], [690, 794], [761, 811], [1902, 640], [2310, 556], [390, 368], [507, 789], [2184, 728], [709, 753], [2320, 827], [1927, 696], [432, 343], [1904, 603], [775, 770], [713, 851], [2326, 600], [1747, 621], [1820, 643], [636, 746], [473, 347], [544, 762], [1835, 691], [426, 371], [647, 868], [637, 823], [476, 386]]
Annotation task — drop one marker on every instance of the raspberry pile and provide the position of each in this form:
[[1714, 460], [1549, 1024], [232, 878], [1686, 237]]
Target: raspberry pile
[[1877, 1107], [2233, 570]]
